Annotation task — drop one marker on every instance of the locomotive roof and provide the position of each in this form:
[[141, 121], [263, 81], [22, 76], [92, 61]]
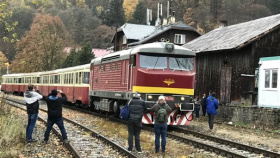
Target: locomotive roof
[[157, 47], [69, 69]]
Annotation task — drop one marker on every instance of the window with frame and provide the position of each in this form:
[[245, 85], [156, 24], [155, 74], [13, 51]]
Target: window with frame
[[271, 76], [180, 39]]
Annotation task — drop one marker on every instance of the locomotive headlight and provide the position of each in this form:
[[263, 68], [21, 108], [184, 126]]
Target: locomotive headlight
[[150, 97], [182, 98]]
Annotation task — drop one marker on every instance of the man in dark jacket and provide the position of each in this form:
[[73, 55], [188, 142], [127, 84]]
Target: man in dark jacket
[[203, 104], [212, 105], [55, 114], [134, 123], [32, 104], [160, 127]]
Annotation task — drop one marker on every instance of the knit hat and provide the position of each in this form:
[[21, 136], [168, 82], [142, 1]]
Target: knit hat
[[161, 98], [54, 92]]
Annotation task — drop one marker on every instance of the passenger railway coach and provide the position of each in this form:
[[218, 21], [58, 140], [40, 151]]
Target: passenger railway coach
[[152, 69], [73, 81], [109, 82]]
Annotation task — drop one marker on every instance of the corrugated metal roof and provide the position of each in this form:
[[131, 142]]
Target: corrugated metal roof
[[145, 32], [136, 31], [234, 36]]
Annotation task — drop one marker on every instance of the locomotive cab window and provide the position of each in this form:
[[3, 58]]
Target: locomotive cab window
[[153, 62], [181, 63]]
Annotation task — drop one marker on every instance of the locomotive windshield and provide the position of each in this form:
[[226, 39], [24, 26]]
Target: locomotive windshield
[[154, 62], [160, 62], [176, 63]]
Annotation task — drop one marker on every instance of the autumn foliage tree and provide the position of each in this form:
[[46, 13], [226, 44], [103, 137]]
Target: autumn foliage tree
[[41, 48]]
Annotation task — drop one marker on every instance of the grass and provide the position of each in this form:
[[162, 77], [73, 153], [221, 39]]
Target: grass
[[12, 131]]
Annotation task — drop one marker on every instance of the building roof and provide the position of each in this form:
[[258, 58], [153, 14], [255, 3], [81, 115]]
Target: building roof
[[97, 52], [100, 52], [234, 36], [143, 33]]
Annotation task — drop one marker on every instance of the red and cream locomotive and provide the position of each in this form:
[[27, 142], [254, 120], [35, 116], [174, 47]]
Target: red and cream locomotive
[[152, 69], [108, 82]]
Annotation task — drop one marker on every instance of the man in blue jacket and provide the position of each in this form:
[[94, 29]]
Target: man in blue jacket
[[211, 107], [55, 114]]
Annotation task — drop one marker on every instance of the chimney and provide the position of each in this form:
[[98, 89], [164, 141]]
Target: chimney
[[223, 23], [172, 18], [158, 21], [148, 17], [167, 9]]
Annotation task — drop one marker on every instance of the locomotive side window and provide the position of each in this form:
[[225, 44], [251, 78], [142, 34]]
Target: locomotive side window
[[177, 63], [104, 67], [154, 62], [111, 66], [116, 66]]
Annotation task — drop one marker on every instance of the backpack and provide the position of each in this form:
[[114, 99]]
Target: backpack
[[161, 115], [124, 113]]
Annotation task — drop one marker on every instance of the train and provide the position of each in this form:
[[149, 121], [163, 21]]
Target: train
[[110, 81]]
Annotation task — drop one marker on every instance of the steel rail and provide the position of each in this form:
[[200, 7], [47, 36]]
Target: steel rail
[[93, 134], [228, 142]]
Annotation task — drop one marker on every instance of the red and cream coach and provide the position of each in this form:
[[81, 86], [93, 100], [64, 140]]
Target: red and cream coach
[[152, 69], [73, 81]]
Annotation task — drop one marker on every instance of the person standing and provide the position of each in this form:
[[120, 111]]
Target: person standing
[[32, 104], [211, 107], [203, 104], [134, 123], [54, 104], [161, 110], [197, 107]]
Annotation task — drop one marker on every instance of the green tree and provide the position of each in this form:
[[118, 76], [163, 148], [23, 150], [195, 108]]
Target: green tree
[[85, 55], [70, 59], [139, 15], [41, 48], [114, 15], [79, 21]]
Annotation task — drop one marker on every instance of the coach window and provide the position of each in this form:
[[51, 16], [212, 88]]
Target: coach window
[[56, 79], [86, 78], [38, 80]]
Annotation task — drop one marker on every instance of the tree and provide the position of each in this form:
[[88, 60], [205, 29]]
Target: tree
[[41, 49], [129, 7], [3, 60], [139, 15], [70, 59], [79, 21], [114, 15], [100, 37], [5, 14], [85, 55]]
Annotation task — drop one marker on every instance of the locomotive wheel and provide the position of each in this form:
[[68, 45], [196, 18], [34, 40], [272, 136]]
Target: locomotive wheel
[[116, 107]]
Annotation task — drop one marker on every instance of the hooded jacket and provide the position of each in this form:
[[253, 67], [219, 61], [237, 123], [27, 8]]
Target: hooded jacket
[[212, 105], [32, 104], [156, 108], [54, 104]]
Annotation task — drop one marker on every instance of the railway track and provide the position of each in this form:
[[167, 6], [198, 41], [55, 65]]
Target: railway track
[[84, 142], [209, 143]]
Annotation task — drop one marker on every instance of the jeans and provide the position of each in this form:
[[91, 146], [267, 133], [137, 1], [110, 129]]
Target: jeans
[[59, 123], [134, 129], [197, 112], [211, 120], [32, 118], [160, 130]]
